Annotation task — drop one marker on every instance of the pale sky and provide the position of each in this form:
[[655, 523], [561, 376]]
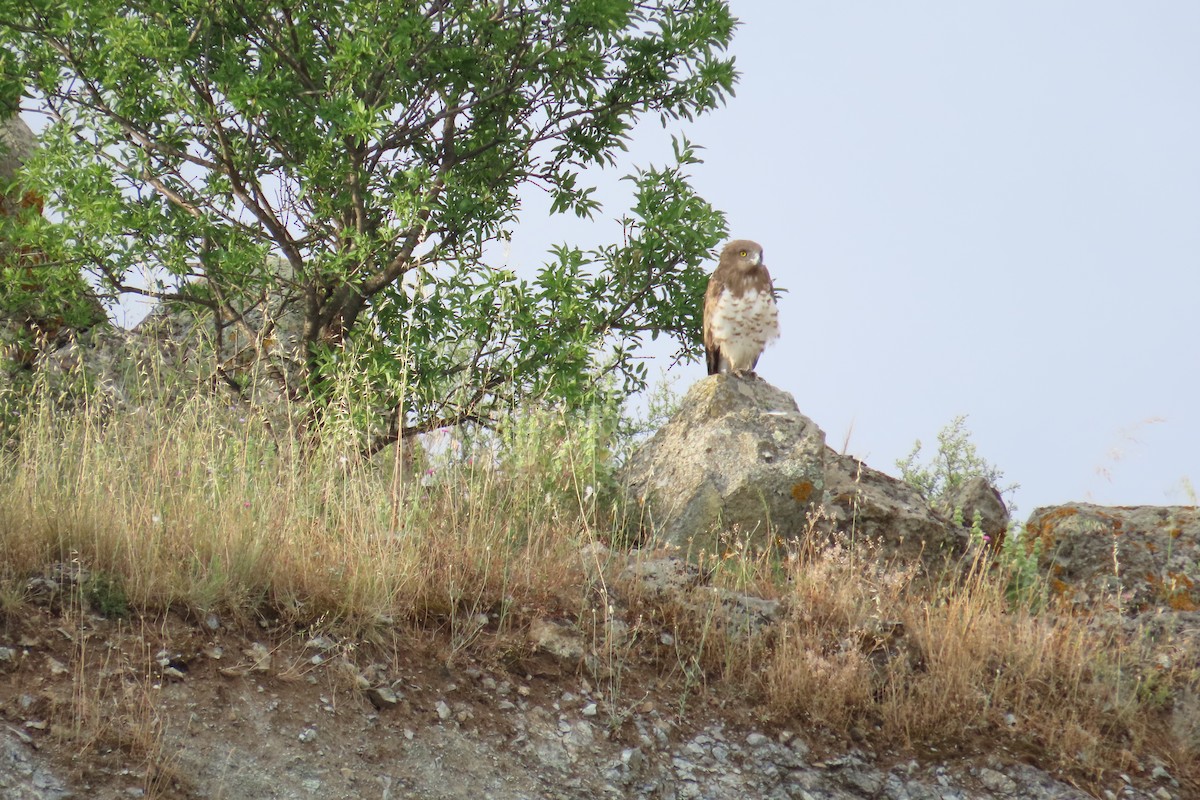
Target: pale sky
[[986, 208]]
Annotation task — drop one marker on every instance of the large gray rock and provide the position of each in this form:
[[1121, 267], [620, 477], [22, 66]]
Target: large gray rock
[[262, 352], [864, 506], [1121, 558], [739, 461], [177, 353], [25, 774], [16, 145], [977, 496]]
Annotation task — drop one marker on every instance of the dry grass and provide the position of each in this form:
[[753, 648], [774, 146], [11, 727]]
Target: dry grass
[[190, 507], [112, 703], [886, 654], [197, 509]]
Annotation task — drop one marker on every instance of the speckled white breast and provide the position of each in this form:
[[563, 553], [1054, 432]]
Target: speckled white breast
[[742, 326]]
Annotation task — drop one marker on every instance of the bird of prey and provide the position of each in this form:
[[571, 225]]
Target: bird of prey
[[740, 316]]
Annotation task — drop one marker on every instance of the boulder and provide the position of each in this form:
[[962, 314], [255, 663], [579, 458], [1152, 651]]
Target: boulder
[[863, 505], [740, 465], [977, 496], [737, 462], [1120, 558], [175, 354], [262, 352], [16, 145], [669, 580]]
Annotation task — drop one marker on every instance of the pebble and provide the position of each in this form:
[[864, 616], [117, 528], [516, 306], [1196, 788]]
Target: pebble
[[382, 697], [1159, 773], [868, 781], [307, 735], [260, 655], [799, 747], [443, 710], [997, 781]]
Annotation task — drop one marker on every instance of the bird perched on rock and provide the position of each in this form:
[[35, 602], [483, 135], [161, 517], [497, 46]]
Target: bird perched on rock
[[740, 316]]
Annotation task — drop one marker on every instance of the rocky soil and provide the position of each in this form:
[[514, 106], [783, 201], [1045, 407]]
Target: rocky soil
[[168, 707]]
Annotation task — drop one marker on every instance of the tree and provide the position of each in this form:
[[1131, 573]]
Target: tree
[[348, 162]]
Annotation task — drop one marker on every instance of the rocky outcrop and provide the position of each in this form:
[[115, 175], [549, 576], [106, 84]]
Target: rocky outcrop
[[25, 774], [975, 496], [863, 505], [175, 355], [737, 461], [1135, 572], [629, 580], [1120, 558], [739, 464], [16, 145], [260, 353]]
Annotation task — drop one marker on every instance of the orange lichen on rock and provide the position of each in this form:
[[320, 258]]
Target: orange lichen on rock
[[802, 491], [1060, 587], [1182, 601], [1044, 528], [1060, 513], [1180, 579]]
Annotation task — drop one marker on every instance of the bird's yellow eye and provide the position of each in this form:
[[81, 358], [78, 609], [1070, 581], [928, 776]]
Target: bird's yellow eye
[[742, 253]]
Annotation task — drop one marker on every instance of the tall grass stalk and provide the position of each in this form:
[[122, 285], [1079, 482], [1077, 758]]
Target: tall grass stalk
[[199, 505]]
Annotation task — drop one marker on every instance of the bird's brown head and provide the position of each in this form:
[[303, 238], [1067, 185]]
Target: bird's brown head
[[742, 254]]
